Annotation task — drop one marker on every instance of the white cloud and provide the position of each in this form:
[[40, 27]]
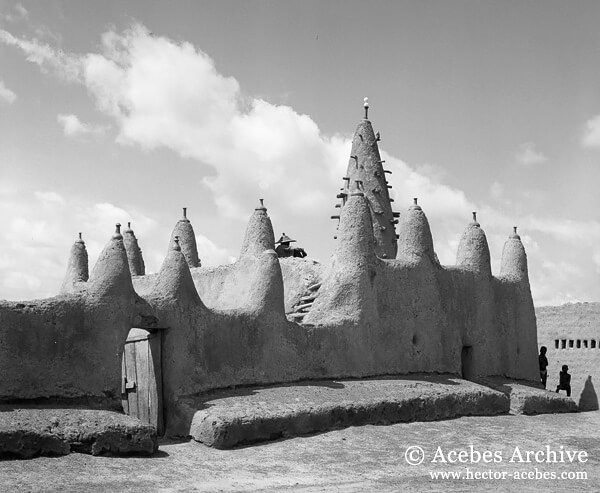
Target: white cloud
[[41, 226], [596, 260], [448, 209], [557, 283], [166, 94], [73, 127], [591, 134], [22, 11], [566, 270], [49, 198], [211, 254], [49, 59], [6, 95], [19, 280], [569, 231], [435, 172], [528, 155], [18, 13]]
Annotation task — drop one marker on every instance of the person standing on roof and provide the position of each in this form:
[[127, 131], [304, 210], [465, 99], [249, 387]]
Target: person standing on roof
[[285, 250]]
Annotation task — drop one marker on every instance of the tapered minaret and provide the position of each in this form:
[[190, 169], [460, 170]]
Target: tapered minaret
[[473, 251], [365, 170], [111, 276], [187, 240], [77, 269], [514, 259], [521, 338], [174, 282], [259, 233], [134, 252], [414, 237], [349, 291]]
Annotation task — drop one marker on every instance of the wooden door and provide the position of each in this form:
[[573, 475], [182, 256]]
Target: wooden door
[[141, 390]]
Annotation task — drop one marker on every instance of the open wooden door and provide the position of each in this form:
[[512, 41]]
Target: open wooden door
[[141, 391]]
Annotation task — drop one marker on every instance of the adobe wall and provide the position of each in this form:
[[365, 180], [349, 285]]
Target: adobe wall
[[225, 287], [70, 346], [371, 316], [228, 287], [298, 275], [62, 347], [227, 326], [575, 326]]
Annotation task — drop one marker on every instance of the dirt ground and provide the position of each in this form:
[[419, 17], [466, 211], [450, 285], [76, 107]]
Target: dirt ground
[[366, 458]]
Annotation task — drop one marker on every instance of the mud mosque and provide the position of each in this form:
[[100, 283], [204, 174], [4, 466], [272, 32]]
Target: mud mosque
[[119, 338]]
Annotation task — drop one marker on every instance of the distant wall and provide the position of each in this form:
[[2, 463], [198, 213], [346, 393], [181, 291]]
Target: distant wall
[[571, 333]]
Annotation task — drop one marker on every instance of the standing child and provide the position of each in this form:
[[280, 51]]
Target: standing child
[[565, 381]]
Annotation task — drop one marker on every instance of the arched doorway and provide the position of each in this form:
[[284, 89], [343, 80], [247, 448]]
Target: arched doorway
[[466, 362]]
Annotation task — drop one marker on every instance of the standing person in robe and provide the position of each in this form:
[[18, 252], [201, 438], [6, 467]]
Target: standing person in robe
[[543, 365]]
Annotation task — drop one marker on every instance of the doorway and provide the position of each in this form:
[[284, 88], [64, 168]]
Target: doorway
[[466, 362], [141, 389]]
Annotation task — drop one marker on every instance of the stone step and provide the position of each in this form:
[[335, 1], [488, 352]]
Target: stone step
[[529, 398], [27, 432], [228, 418], [303, 306]]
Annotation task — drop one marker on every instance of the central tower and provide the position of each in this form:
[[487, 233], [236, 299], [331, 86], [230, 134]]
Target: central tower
[[366, 173]]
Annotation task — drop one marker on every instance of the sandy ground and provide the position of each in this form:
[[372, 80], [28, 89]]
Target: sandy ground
[[365, 458]]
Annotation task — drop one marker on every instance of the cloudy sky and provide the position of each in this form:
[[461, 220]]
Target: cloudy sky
[[119, 111]]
